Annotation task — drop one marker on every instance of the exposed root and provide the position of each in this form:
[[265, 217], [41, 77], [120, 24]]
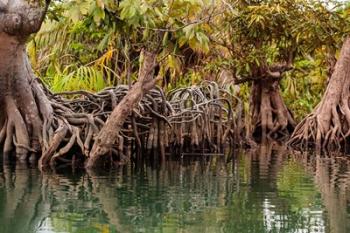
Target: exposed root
[[269, 115], [204, 116], [313, 132], [35, 120], [328, 126], [197, 117]]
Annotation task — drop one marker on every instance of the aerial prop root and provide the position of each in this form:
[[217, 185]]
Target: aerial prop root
[[328, 134], [71, 121]]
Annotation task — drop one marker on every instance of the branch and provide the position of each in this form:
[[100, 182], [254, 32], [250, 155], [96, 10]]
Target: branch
[[273, 72], [47, 4], [199, 21], [35, 17], [238, 81], [110, 131], [22, 19]]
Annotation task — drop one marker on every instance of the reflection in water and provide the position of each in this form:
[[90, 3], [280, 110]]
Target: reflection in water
[[257, 191], [332, 177]]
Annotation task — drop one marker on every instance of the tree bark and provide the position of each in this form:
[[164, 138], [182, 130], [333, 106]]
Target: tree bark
[[35, 120], [269, 115], [25, 106], [328, 126], [110, 132]]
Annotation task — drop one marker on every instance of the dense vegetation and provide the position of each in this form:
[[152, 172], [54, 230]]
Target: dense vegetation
[[233, 71], [94, 44]]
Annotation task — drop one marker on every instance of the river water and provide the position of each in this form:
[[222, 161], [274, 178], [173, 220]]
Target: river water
[[265, 190]]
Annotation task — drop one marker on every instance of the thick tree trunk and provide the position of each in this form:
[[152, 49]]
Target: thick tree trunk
[[24, 105], [33, 119], [110, 132], [269, 115], [328, 126]]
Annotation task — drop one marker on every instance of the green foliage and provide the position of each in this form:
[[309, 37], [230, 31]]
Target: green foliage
[[253, 37], [82, 78], [92, 44], [80, 31], [294, 185], [304, 86]]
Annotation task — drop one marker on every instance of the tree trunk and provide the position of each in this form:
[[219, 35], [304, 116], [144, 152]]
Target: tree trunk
[[269, 115], [25, 107], [328, 126], [35, 120], [110, 132]]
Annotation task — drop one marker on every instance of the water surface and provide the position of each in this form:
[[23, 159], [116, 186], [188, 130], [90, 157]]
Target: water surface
[[266, 190]]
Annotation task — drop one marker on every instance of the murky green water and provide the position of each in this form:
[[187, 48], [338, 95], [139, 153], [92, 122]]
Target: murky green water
[[263, 191]]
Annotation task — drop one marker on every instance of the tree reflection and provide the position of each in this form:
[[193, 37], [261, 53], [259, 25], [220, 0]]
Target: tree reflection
[[332, 177], [262, 190]]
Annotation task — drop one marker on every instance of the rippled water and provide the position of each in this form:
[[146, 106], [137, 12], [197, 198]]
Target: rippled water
[[267, 190]]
